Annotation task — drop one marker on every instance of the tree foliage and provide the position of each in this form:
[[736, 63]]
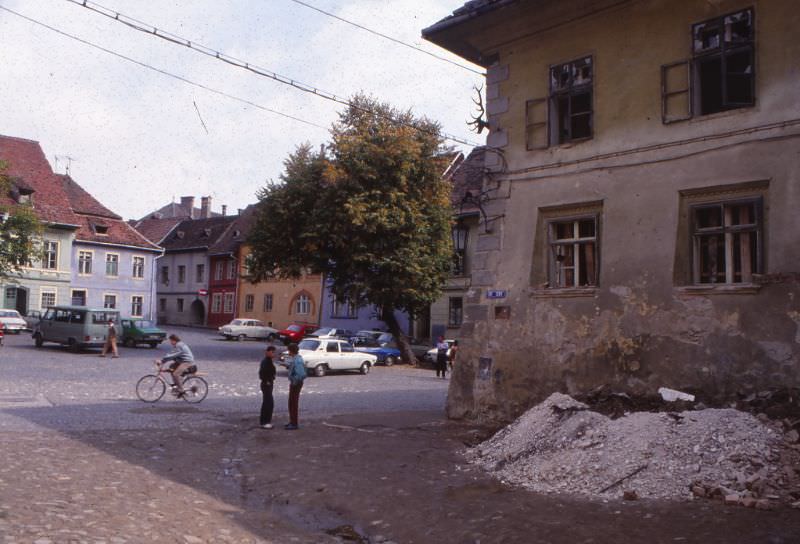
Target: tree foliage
[[371, 211], [19, 230]]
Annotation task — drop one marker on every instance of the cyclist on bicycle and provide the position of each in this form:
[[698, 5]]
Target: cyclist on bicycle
[[181, 359]]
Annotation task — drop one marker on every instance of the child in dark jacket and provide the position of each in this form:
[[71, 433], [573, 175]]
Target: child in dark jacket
[[266, 373]]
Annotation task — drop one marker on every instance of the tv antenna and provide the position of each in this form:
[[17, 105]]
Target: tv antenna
[[67, 160]]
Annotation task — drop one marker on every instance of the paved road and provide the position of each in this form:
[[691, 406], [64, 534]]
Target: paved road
[[52, 388]]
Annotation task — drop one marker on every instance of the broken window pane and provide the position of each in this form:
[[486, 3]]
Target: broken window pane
[[706, 218], [723, 63], [571, 100]]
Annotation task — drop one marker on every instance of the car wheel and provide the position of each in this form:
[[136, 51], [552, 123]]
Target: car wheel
[[38, 340], [320, 371], [390, 360], [241, 337], [364, 368], [272, 338]]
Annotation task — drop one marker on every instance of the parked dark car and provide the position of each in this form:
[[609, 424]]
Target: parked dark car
[[141, 331], [418, 348], [387, 353]]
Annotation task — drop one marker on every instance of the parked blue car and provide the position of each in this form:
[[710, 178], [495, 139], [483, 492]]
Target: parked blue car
[[386, 353]]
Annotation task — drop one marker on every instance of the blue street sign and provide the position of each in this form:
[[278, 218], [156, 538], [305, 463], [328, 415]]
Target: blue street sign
[[497, 293]]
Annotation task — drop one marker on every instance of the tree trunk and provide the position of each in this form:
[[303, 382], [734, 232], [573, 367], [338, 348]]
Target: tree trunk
[[387, 316]]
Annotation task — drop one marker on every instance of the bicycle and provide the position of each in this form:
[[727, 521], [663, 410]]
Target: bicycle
[[151, 387]]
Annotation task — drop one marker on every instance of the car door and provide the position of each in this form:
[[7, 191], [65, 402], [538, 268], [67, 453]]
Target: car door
[[350, 357], [333, 357]]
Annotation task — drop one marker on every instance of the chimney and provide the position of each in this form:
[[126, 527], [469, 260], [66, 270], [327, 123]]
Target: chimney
[[187, 203], [224, 209], [205, 207]]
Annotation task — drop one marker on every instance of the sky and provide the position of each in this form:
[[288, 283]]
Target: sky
[[135, 136]]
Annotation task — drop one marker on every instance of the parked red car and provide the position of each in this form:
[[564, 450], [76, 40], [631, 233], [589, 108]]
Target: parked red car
[[296, 332]]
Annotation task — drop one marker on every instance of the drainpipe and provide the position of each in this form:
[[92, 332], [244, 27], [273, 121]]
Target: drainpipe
[[154, 288], [321, 302]]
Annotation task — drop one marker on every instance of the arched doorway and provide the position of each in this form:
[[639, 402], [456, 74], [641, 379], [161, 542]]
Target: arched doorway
[[198, 312]]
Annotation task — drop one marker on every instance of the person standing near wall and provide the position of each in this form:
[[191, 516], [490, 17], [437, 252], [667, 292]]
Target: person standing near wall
[[111, 341], [451, 357], [297, 373], [441, 358], [266, 373]]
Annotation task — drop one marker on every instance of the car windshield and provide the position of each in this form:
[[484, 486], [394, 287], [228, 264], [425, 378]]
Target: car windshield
[[294, 328], [237, 322], [9, 313], [143, 324], [385, 338], [310, 345], [322, 332]]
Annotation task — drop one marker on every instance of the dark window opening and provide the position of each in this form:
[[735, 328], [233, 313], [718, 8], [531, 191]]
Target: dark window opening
[[571, 89]]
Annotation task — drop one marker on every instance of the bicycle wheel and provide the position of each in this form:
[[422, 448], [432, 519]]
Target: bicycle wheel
[[150, 388], [195, 389]]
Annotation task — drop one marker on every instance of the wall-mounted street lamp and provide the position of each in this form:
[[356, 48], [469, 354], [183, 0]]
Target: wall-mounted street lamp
[[460, 232]]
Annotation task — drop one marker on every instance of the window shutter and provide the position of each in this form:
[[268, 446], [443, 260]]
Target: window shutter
[[676, 92], [536, 124]]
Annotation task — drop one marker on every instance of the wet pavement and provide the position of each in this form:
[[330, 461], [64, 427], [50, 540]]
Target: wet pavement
[[374, 461]]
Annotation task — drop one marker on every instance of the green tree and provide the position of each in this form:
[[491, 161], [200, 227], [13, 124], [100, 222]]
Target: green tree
[[19, 229], [371, 212]]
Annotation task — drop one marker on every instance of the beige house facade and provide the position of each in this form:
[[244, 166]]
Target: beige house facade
[[279, 303], [642, 187]]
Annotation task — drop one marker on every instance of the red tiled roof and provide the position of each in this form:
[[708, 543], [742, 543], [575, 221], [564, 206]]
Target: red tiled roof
[[156, 229], [197, 233], [82, 202], [237, 232], [26, 161], [95, 217]]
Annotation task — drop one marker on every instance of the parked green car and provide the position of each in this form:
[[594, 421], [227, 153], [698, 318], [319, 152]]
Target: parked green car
[[141, 331]]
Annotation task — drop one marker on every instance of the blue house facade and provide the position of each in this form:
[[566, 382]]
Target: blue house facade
[[113, 265], [338, 314]]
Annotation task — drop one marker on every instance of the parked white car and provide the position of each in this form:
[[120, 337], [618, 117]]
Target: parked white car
[[11, 321], [323, 355], [242, 329], [430, 356]]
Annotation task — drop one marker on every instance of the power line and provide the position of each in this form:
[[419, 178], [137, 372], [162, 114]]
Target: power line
[[163, 72], [395, 40], [149, 29]]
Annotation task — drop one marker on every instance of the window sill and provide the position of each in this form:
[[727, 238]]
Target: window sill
[[719, 289], [699, 118], [578, 292]]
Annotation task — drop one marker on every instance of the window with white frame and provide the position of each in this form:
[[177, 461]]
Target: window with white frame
[[85, 262], [216, 303], [228, 303], [232, 270], [249, 303], [78, 297], [219, 270], [726, 241], [268, 302], [110, 301], [112, 264], [137, 305], [48, 298], [302, 305], [573, 252], [138, 267], [50, 260], [181, 274]]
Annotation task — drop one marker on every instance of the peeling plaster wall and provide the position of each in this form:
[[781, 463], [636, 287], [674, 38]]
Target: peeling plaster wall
[[645, 325]]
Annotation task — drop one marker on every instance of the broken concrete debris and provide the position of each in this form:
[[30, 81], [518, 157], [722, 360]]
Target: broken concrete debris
[[671, 395], [561, 446]]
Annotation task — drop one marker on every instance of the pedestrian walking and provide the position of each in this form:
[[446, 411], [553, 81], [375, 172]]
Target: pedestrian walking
[[441, 358], [111, 340], [451, 358], [297, 373], [266, 373]]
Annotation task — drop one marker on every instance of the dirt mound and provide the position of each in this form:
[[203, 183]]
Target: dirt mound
[[560, 446]]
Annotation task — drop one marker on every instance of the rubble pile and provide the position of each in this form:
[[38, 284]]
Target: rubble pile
[[560, 446]]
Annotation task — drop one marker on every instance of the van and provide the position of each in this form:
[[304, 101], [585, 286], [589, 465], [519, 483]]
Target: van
[[74, 326]]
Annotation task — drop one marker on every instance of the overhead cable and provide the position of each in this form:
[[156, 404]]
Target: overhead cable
[[264, 72], [395, 40], [164, 72]]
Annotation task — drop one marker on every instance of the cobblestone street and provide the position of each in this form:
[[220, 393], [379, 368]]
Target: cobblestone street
[[83, 461]]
